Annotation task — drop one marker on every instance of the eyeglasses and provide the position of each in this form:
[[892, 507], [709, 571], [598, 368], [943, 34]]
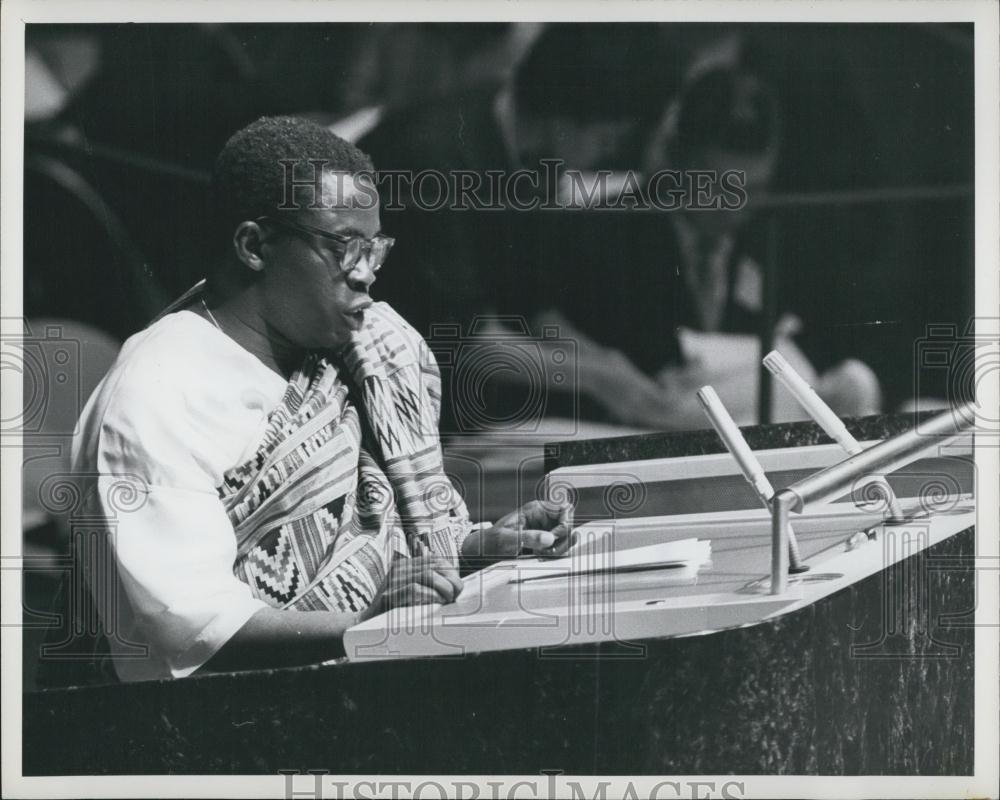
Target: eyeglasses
[[352, 248]]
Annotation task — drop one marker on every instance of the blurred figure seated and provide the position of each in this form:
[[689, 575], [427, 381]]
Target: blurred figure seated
[[565, 101], [682, 307]]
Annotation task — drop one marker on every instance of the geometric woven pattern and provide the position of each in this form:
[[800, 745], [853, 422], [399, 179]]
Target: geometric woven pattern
[[347, 476], [273, 568]]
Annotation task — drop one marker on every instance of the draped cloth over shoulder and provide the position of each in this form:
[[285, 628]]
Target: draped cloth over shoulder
[[347, 476]]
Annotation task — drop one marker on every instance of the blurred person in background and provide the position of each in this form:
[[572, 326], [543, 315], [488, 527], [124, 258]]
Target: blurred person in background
[[727, 119], [564, 100], [585, 95], [691, 286]]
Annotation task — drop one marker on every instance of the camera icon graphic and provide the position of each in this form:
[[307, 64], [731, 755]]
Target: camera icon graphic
[[48, 365], [961, 362], [500, 379]]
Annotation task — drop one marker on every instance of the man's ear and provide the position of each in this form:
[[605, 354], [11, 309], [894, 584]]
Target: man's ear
[[246, 243]]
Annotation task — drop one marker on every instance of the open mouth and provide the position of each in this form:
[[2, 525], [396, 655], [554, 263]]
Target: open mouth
[[356, 316]]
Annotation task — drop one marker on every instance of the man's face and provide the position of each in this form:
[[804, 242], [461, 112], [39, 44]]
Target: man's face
[[757, 170], [308, 299], [580, 145]]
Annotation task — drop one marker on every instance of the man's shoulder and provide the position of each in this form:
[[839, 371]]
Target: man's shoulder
[[156, 359], [158, 371], [142, 392], [180, 395]]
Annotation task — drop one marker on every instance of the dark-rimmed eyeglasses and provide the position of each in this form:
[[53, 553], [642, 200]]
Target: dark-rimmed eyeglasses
[[351, 249]]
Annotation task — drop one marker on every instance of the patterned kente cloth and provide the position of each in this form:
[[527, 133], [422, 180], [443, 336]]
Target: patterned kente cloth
[[348, 475]]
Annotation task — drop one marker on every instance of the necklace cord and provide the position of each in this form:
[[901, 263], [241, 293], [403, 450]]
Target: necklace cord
[[211, 316]]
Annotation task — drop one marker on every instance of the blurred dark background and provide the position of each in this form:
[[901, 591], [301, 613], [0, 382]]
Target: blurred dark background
[[124, 121]]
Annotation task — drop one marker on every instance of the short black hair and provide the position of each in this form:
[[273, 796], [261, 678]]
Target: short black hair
[[248, 180], [598, 71], [728, 109]]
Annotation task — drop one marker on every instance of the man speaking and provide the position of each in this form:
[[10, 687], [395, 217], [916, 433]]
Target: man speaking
[[278, 429]]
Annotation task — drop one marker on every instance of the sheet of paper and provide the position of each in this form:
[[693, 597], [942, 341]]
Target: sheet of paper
[[682, 553]]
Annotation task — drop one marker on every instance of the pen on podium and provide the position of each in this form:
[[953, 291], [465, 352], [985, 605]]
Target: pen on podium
[[825, 418], [731, 437]]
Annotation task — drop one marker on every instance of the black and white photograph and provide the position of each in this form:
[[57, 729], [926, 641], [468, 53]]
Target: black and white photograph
[[500, 400]]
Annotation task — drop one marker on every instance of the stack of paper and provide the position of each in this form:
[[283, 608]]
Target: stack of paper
[[685, 555]]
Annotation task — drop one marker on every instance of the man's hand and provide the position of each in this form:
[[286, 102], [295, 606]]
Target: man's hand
[[419, 580], [544, 527]]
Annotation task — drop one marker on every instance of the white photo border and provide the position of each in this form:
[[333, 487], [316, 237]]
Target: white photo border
[[983, 13]]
